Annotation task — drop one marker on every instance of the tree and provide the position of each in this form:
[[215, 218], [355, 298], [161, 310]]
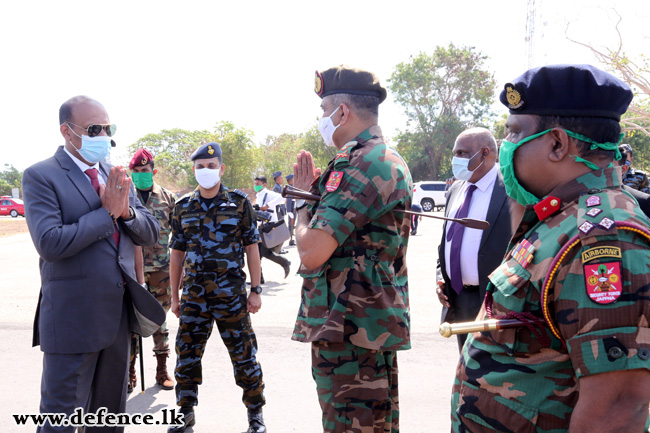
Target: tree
[[280, 152], [635, 72], [10, 178], [442, 94], [172, 149]]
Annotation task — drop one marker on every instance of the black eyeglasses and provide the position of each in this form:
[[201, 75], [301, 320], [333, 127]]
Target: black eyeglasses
[[95, 130]]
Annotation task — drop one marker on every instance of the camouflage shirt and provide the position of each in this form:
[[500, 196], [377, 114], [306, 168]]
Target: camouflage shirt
[[636, 179], [161, 204], [360, 294], [214, 239], [591, 255]]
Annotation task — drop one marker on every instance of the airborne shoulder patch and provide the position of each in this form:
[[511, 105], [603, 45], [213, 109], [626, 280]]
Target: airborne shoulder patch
[[334, 181], [600, 252]]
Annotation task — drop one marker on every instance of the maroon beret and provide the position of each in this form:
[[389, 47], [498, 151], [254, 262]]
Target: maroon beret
[[141, 157]]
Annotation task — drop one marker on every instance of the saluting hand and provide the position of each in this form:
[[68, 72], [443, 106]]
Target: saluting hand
[[115, 195], [305, 171]]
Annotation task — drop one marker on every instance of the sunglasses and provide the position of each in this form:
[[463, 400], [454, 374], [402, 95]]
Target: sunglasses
[[95, 130]]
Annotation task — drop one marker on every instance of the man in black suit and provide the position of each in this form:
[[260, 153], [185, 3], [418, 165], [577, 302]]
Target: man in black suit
[[467, 256]]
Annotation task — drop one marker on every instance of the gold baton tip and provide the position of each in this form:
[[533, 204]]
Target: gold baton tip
[[445, 330]]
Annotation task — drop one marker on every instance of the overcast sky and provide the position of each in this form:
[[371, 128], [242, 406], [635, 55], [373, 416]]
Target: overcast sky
[[161, 64]]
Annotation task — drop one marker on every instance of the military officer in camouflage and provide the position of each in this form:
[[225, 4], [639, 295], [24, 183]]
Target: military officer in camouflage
[[212, 228], [575, 274], [352, 244], [155, 261], [637, 179]]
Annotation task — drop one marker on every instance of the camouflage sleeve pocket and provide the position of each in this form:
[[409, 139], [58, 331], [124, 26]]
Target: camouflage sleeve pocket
[[509, 295], [475, 403], [609, 350]]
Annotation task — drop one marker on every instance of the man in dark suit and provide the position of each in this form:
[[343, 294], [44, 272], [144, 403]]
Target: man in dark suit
[[84, 219], [467, 256]]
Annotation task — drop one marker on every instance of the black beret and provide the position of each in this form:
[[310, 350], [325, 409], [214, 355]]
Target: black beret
[[207, 151], [567, 90], [343, 79]]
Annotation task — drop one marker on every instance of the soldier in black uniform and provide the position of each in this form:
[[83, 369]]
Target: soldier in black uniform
[[212, 228]]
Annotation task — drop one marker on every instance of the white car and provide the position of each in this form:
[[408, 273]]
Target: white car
[[429, 195]]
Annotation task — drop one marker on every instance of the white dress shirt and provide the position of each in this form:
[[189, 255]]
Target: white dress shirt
[[83, 167], [266, 197], [478, 208]]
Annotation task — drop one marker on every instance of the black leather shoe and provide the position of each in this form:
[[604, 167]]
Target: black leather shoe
[[292, 243], [256, 421], [287, 269], [188, 421]]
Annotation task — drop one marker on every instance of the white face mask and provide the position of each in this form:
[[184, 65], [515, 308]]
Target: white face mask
[[326, 128], [207, 177], [459, 167]]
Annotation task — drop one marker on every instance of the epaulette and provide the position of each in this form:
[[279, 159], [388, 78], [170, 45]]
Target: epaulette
[[595, 217], [240, 192]]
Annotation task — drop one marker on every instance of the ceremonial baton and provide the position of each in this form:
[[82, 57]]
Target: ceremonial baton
[[291, 192], [141, 365], [449, 329]]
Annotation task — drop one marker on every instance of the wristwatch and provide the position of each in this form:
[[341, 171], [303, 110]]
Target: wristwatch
[[256, 289]]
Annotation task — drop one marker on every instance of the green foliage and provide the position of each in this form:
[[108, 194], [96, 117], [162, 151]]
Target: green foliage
[[279, 153], [10, 178], [442, 94], [173, 148], [640, 143]]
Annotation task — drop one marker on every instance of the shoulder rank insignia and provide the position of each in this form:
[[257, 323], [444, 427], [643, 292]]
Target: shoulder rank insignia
[[334, 181], [606, 223], [603, 281], [547, 207], [523, 253], [594, 212], [342, 154], [593, 200], [586, 227], [240, 192]]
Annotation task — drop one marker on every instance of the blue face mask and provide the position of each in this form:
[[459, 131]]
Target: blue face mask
[[459, 166], [93, 149]]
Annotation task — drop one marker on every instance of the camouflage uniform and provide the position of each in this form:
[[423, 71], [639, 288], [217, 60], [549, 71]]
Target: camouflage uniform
[[526, 379], [354, 307], [636, 179], [156, 263], [214, 238]]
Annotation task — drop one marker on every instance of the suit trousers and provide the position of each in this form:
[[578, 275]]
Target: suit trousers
[[87, 380], [467, 304]]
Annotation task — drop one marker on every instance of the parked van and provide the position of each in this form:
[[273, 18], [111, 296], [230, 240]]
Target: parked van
[[430, 195]]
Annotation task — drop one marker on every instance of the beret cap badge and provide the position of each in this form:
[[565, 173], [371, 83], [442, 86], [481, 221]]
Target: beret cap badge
[[143, 161], [210, 150], [318, 85], [513, 96]]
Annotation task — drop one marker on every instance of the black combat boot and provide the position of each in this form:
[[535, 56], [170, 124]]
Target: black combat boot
[[188, 421], [256, 421]]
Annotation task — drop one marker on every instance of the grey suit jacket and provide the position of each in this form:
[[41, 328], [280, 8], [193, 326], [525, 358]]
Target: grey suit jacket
[[494, 242], [83, 272]]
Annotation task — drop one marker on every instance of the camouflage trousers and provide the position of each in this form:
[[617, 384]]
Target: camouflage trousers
[[357, 388], [199, 311], [158, 285]]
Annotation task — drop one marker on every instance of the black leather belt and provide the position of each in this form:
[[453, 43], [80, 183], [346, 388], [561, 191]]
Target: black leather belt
[[470, 288]]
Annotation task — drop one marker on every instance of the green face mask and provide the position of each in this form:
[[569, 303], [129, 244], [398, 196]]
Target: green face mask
[[258, 188], [142, 181], [513, 188], [507, 152]]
